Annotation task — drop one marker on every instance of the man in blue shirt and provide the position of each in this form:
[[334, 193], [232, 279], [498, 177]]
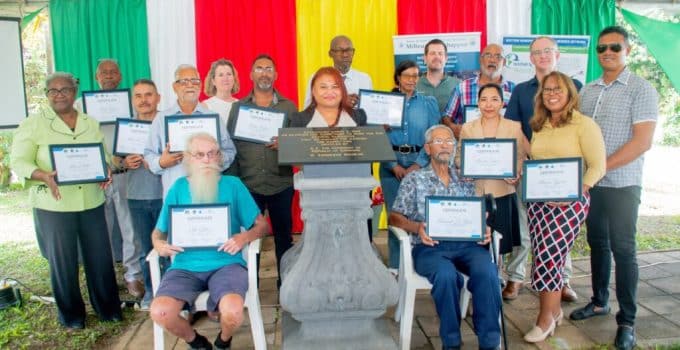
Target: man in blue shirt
[[543, 55], [222, 271]]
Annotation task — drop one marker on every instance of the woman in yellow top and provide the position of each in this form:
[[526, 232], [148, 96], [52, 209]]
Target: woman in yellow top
[[492, 125], [560, 131], [66, 215]]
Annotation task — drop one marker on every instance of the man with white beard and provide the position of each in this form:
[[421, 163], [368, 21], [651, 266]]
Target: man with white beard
[[491, 62], [222, 271]]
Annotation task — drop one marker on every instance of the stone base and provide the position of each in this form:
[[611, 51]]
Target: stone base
[[338, 334]]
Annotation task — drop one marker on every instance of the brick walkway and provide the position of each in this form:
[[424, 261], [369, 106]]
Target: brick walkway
[[658, 318]]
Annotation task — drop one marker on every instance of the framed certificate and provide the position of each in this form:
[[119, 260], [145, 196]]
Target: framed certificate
[[552, 180], [382, 107], [488, 158], [455, 218], [79, 163], [471, 112], [130, 136], [179, 127], [258, 125], [107, 105], [194, 226]]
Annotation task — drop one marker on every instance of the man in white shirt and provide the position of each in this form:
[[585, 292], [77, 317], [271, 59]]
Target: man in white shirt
[[342, 52]]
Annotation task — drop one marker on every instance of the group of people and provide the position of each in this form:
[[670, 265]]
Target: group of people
[[609, 124]]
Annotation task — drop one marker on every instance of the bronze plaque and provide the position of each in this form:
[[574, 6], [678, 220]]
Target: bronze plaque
[[334, 145]]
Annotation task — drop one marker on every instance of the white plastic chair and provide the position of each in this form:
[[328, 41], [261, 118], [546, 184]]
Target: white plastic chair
[[409, 281], [252, 301]]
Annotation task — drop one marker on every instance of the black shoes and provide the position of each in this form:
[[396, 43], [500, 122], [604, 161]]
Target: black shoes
[[625, 338], [222, 345], [588, 311]]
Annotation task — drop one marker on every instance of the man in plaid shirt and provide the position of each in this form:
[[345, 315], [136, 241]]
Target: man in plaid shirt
[[491, 62]]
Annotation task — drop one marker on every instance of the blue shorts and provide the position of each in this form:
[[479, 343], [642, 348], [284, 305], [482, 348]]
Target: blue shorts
[[188, 285]]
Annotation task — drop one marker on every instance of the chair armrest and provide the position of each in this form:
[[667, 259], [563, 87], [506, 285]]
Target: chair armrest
[[406, 260], [154, 269], [400, 233]]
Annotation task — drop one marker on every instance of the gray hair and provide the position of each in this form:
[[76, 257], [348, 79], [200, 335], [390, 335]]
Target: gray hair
[[430, 131], [182, 67], [61, 75], [102, 61], [335, 40], [189, 149], [543, 37]]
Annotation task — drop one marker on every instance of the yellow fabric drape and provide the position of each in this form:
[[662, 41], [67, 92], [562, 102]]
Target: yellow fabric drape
[[369, 23]]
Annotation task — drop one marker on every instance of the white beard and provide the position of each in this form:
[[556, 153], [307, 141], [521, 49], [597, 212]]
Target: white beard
[[203, 183]]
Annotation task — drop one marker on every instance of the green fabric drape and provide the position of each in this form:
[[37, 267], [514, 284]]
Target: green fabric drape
[[661, 39], [85, 31], [574, 17]]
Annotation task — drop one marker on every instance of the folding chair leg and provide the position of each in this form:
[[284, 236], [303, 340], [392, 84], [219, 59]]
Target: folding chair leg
[[407, 319], [158, 337], [256, 324]]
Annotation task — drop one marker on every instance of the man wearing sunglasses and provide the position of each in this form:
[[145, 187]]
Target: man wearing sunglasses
[[187, 87], [625, 107]]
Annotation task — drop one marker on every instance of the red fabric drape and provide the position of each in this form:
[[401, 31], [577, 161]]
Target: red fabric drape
[[239, 30], [442, 16]]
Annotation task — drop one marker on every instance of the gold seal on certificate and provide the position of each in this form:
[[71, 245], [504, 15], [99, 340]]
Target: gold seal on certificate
[[455, 218], [199, 225], [130, 136], [258, 125], [382, 107], [488, 158], [179, 127], [79, 163], [552, 180], [107, 105]]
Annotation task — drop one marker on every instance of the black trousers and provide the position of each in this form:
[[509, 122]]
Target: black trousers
[[60, 233]]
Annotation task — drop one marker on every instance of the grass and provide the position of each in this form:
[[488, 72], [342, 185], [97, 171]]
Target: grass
[[34, 324], [14, 200]]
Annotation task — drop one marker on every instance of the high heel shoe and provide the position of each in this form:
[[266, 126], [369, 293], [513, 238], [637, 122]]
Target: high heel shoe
[[537, 334], [558, 318]]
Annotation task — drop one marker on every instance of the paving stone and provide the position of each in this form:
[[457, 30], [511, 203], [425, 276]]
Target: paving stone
[[670, 285], [429, 325], [600, 329], [672, 268], [655, 327], [653, 257], [662, 305], [646, 290], [568, 336], [653, 272]]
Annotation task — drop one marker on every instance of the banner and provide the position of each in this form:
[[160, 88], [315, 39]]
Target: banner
[[462, 49], [573, 60]]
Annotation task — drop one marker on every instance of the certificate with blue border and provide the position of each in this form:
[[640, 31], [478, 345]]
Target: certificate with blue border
[[455, 218], [79, 163], [488, 158], [199, 226], [552, 180], [107, 105], [130, 136], [259, 125], [382, 107], [179, 127]]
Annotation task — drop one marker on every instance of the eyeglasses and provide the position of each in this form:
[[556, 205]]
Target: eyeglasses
[[261, 70], [67, 91], [210, 155], [491, 55], [556, 90], [344, 51], [616, 47], [439, 142], [188, 81], [547, 51]]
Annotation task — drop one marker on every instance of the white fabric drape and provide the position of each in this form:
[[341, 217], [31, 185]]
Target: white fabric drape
[[172, 41], [505, 17]]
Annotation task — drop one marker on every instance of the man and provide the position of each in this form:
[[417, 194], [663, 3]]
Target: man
[[440, 261], [342, 52], [491, 63], [108, 77], [544, 55], [257, 164], [187, 87], [144, 189], [625, 107], [222, 271], [435, 82]]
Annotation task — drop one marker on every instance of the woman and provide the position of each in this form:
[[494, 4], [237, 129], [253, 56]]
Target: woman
[[559, 131], [492, 125], [66, 215], [330, 105], [420, 113], [220, 83]]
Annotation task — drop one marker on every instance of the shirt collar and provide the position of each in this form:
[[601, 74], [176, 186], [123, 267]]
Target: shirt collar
[[275, 100], [199, 109], [622, 78]]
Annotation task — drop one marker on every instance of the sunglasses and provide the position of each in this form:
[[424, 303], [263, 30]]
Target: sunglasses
[[616, 47]]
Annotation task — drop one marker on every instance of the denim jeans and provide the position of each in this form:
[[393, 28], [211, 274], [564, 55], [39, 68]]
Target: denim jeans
[[611, 227], [440, 265], [144, 214]]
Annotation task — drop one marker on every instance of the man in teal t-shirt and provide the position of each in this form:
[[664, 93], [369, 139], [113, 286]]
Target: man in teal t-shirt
[[222, 271]]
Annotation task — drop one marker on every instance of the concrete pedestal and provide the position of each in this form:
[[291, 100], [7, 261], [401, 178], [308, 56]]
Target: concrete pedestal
[[334, 287]]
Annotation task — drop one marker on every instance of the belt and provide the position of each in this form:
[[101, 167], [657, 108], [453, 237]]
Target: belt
[[119, 171], [406, 149]]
